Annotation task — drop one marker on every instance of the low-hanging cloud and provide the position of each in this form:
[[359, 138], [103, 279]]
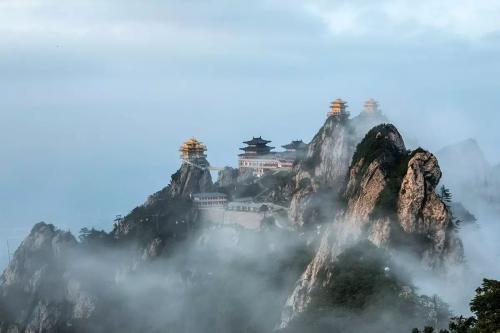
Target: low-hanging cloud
[[465, 19]]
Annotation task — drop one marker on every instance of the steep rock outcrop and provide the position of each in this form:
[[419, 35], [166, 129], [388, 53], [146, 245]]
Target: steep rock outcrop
[[163, 208], [372, 171], [227, 177], [321, 176], [190, 179], [423, 214], [389, 199], [37, 293]]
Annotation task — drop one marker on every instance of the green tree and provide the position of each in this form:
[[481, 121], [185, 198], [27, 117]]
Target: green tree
[[486, 307], [445, 194], [461, 324]]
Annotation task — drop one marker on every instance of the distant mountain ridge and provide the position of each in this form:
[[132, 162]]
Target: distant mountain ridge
[[468, 173]]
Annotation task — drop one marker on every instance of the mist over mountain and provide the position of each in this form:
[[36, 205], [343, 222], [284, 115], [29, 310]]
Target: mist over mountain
[[346, 232]]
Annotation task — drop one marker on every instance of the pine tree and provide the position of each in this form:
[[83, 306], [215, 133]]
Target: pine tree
[[445, 195]]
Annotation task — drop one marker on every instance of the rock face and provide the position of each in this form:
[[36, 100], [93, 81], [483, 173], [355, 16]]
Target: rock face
[[190, 179], [389, 199], [227, 177], [322, 176], [36, 294], [421, 212], [323, 171], [378, 191]]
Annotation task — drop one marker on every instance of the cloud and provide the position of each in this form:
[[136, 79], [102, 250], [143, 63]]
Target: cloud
[[467, 19]]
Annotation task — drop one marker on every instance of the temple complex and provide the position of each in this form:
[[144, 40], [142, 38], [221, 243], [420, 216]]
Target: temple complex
[[338, 108], [258, 158], [207, 200], [257, 146], [193, 151], [371, 106], [295, 150], [295, 145]]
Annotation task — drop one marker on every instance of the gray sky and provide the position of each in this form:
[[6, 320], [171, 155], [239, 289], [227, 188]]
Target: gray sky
[[96, 96]]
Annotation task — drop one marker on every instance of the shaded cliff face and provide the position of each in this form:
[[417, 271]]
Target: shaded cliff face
[[34, 289], [390, 199], [159, 214], [321, 176], [55, 283], [158, 267], [190, 179], [227, 177]]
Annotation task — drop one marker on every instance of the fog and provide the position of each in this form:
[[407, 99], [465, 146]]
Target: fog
[[95, 99]]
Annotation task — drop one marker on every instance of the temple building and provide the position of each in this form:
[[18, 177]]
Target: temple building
[[295, 145], [257, 146], [296, 149], [193, 151], [209, 200], [338, 108], [371, 106], [258, 158]]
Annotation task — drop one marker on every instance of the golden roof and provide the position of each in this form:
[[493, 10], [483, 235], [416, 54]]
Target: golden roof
[[193, 146], [371, 105]]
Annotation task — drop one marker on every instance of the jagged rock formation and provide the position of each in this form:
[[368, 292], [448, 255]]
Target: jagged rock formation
[[390, 199], [377, 191], [167, 206], [36, 294], [190, 179], [278, 188], [44, 289], [227, 177], [321, 176]]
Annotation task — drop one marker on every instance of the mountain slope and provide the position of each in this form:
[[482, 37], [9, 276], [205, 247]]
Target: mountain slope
[[161, 267], [390, 199]]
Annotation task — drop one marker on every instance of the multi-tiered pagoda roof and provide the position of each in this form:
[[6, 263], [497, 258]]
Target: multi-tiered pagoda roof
[[257, 146], [371, 106], [295, 145], [338, 108], [193, 149]]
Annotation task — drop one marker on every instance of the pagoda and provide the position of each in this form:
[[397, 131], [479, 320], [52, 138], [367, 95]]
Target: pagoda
[[338, 108], [371, 106], [257, 146], [295, 145], [295, 150], [193, 150], [258, 158]]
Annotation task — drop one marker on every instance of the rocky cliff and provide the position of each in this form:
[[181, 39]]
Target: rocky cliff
[[389, 199], [163, 208], [321, 176], [190, 178], [37, 292], [375, 191], [46, 287]]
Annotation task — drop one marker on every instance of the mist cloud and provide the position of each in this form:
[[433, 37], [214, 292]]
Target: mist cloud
[[96, 96]]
